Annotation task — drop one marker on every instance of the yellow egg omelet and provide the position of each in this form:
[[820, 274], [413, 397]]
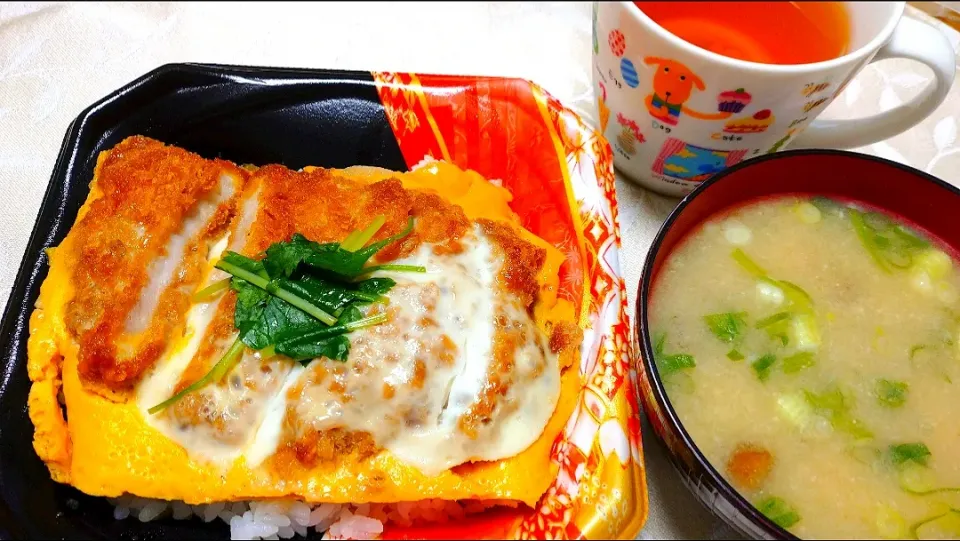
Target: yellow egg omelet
[[459, 394]]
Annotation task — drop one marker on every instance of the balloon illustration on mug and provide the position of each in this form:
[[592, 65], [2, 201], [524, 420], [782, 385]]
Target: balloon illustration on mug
[[629, 73], [673, 83], [618, 44]]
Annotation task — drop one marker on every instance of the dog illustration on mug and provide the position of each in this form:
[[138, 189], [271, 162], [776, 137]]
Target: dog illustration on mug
[[672, 85]]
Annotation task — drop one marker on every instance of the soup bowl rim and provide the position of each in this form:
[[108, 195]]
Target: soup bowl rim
[[644, 343]]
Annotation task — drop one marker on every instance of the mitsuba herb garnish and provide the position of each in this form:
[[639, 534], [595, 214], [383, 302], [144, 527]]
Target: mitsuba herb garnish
[[301, 299]]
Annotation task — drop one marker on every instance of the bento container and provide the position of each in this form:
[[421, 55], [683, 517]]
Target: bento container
[[558, 169]]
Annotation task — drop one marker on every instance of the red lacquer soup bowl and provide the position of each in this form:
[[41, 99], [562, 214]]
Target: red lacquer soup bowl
[[921, 200]]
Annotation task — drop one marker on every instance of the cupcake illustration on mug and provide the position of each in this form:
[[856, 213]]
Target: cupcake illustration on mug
[[629, 135], [733, 101]]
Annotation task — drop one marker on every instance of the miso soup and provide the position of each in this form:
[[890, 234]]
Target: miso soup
[[810, 348]]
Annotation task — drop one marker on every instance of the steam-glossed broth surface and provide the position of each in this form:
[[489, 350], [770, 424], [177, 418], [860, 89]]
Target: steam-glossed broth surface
[[810, 349]]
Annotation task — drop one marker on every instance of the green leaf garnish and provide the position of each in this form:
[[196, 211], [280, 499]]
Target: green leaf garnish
[[763, 365], [273, 287], [727, 326], [375, 286], [779, 511], [301, 299], [357, 239], [909, 452], [262, 318], [334, 259], [891, 394], [396, 268], [329, 342], [284, 258], [211, 290], [251, 266], [797, 362], [219, 370]]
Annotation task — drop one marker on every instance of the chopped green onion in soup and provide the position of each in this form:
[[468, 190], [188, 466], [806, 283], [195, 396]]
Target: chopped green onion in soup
[[806, 332], [727, 326], [763, 365], [890, 524], [917, 453], [944, 525], [735, 355], [780, 512], [891, 394], [916, 478], [798, 361]]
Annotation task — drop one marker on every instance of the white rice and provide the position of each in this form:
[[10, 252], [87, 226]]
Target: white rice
[[284, 519]]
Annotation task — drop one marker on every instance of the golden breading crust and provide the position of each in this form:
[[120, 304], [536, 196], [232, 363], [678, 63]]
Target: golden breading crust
[[147, 190]]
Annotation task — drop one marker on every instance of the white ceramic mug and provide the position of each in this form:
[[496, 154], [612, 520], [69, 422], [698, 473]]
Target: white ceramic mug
[[723, 110]]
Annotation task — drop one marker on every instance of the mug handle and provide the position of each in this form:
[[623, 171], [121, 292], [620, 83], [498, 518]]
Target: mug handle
[[913, 40]]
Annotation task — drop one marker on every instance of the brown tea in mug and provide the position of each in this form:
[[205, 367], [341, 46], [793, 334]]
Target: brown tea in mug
[[764, 32]]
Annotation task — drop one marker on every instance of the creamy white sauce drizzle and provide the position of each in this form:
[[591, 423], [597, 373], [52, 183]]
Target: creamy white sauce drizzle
[[422, 426], [471, 300], [160, 384], [451, 308], [267, 437]]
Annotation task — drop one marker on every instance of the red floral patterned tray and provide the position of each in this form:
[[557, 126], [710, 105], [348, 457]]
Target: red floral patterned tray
[[560, 172]]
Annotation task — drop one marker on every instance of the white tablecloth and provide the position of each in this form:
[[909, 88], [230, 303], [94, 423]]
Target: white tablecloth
[[55, 59]]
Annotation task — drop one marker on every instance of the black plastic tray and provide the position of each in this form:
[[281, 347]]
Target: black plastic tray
[[296, 117]]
